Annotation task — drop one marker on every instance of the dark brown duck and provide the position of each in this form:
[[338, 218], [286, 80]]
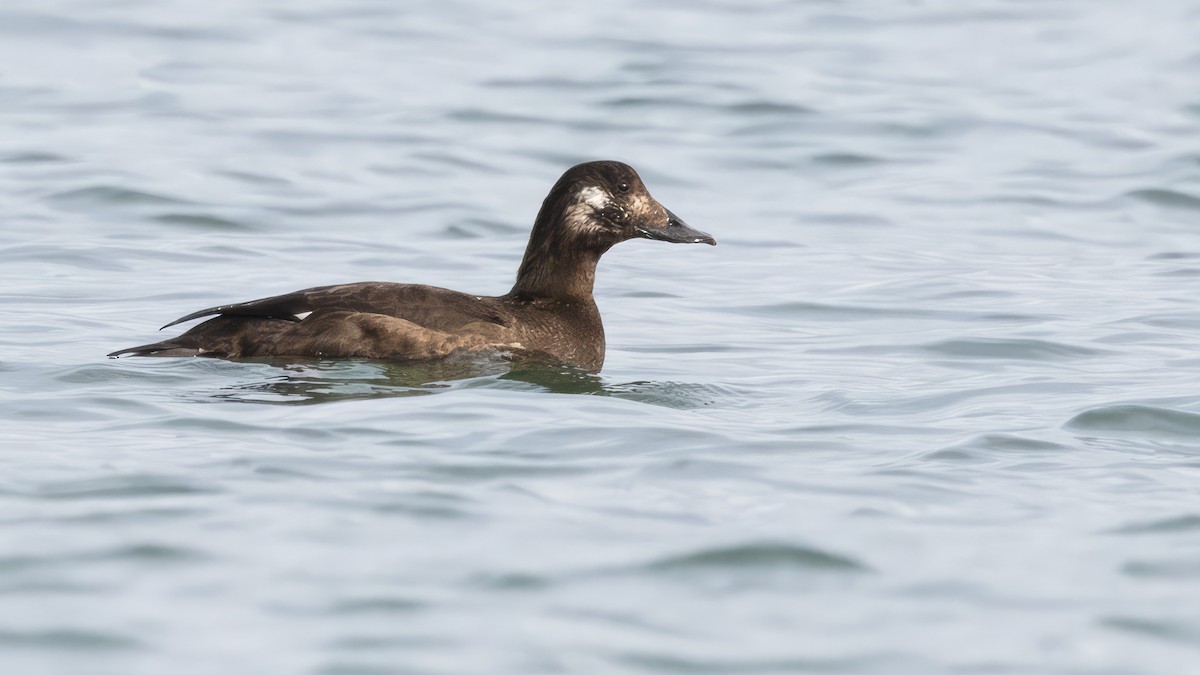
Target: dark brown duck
[[549, 315]]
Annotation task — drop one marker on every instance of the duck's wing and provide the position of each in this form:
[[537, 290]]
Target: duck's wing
[[289, 307], [411, 301], [372, 319]]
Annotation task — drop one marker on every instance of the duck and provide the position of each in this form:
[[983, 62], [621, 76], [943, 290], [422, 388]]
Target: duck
[[549, 316]]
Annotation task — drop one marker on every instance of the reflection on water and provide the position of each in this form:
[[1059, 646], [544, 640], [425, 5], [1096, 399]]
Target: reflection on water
[[312, 381]]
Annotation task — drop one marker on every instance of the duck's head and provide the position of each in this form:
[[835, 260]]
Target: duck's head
[[592, 207], [603, 203]]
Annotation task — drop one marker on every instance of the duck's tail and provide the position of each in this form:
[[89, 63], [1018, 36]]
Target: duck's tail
[[164, 348]]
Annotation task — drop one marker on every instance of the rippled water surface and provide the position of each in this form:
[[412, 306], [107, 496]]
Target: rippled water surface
[[931, 406]]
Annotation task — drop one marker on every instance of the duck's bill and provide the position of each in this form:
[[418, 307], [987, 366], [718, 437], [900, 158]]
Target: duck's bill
[[677, 232]]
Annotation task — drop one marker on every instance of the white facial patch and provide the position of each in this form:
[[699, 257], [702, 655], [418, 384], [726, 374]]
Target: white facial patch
[[582, 215], [594, 197]]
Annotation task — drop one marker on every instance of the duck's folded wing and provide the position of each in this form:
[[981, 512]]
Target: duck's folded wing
[[426, 305], [289, 307]]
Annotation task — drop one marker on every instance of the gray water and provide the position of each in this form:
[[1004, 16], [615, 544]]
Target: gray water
[[931, 406]]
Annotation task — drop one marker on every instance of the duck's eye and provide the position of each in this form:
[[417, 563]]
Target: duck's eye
[[622, 187]]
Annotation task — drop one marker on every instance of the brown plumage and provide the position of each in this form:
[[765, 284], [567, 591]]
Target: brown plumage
[[549, 315]]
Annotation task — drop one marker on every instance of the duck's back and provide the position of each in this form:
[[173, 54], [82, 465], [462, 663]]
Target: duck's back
[[370, 319]]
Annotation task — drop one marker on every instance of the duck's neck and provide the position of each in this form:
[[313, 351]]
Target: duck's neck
[[559, 262], [556, 273]]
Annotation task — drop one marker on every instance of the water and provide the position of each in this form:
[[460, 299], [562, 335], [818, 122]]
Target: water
[[930, 406]]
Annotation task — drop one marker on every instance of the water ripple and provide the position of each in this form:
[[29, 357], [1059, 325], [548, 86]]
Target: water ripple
[[1175, 525], [1138, 419], [68, 639], [1180, 632], [112, 196], [757, 556], [1010, 348], [1168, 198], [121, 487], [664, 662]]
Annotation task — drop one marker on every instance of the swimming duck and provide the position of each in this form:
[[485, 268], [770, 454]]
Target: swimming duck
[[549, 315]]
